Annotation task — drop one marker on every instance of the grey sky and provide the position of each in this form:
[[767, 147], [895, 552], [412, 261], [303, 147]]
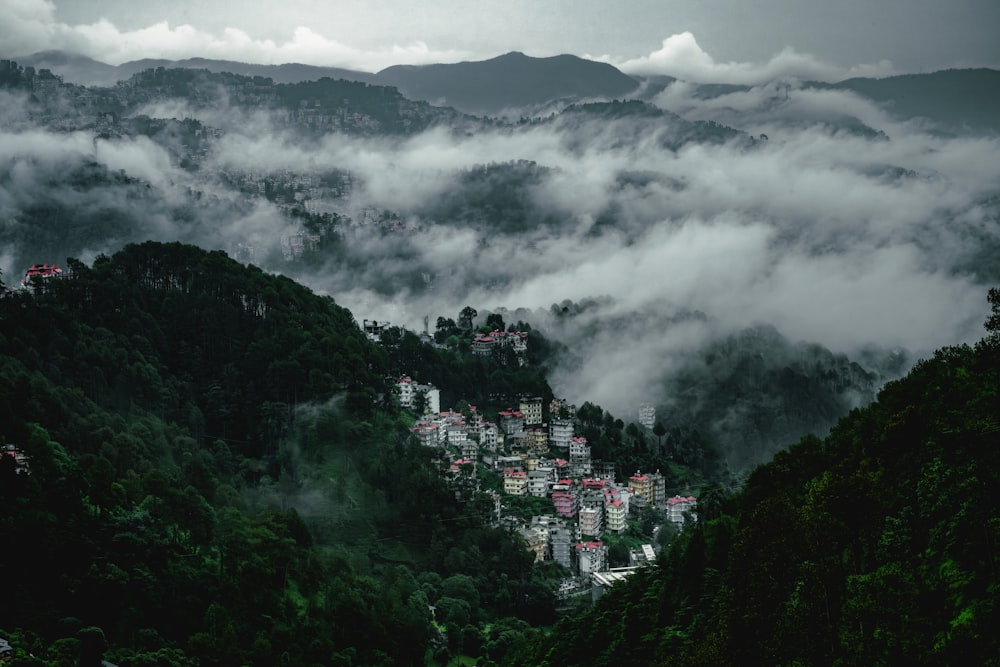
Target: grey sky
[[848, 36]]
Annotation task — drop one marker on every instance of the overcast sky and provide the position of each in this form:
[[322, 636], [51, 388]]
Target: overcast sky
[[712, 39]]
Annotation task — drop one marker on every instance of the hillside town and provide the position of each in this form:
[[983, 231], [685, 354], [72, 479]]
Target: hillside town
[[533, 450]]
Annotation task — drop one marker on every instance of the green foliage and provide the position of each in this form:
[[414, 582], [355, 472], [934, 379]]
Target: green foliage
[[876, 545], [214, 480]]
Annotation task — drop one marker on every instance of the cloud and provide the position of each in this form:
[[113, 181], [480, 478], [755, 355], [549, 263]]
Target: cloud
[[681, 57], [831, 236], [30, 26]]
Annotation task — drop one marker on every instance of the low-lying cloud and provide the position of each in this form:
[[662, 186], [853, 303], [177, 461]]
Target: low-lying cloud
[[844, 237]]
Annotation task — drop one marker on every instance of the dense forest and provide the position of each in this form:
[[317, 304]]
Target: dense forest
[[217, 474], [877, 545]]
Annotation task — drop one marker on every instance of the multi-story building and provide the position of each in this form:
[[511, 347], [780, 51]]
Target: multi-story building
[[640, 485], [680, 506], [592, 520], [462, 466], [591, 557], [560, 434], [409, 390], [512, 421], [615, 514], [488, 437], [565, 503], [432, 398], [561, 545], [470, 449], [644, 555], [538, 482], [538, 440], [559, 408], [482, 345], [427, 433], [474, 419], [515, 482], [659, 488], [579, 454], [404, 386], [20, 458], [531, 407], [457, 433]]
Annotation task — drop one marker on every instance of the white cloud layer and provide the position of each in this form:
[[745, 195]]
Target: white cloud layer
[[681, 56], [830, 235]]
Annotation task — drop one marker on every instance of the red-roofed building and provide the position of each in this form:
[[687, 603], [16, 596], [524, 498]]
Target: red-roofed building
[[483, 345], [40, 272], [427, 433], [512, 421]]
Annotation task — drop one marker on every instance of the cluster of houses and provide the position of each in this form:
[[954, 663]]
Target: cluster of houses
[[484, 344], [546, 460]]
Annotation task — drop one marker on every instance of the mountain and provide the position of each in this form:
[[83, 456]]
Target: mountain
[[75, 68], [510, 81], [960, 100]]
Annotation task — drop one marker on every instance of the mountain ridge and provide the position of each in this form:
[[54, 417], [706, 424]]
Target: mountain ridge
[[958, 99]]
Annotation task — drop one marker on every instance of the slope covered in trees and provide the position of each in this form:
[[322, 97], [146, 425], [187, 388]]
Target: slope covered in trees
[[876, 545], [216, 476]]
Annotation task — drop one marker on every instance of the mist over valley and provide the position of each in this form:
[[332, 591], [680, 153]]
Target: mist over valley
[[638, 234]]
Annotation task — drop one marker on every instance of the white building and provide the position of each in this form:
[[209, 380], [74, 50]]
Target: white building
[[432, 398], [405, 387], [560, 433], [679, 506], [616, 514], [538, 482], [591, 521], [591, 557]]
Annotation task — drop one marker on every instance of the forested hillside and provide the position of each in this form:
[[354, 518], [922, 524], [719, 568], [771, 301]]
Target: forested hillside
[[876, 545], [216, 475]]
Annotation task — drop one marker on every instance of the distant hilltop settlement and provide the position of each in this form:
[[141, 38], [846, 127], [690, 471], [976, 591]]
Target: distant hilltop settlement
[[40, 272]]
